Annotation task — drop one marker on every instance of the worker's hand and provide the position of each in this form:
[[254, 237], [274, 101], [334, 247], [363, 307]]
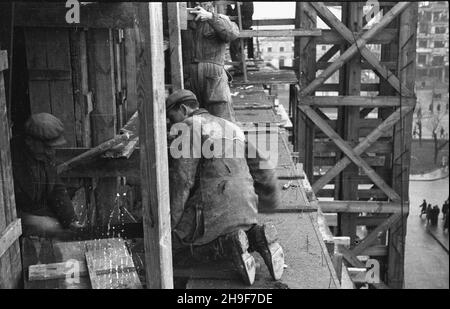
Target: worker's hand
[[202, 14]]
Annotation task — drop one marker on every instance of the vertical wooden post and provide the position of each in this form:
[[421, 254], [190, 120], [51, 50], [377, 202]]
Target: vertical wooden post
[[154, 162], [402, 145], [306, 51], [103, 117], [241, 43], [176, 59], [10, 263], [349, 187]]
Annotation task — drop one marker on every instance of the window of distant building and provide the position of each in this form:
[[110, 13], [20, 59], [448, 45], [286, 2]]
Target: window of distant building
[[423, 43], [436, 16], [423, 28], [269, 49], [422, 59], [439, 30], [439, 44], [281, 62], [428, 16], [324, 47], [438, 60], [281, 49]]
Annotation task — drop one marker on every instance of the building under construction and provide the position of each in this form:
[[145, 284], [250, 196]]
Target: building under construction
[[343, 160]]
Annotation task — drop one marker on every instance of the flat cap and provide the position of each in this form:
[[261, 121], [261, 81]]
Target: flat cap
[[179, 96], [47, 128]]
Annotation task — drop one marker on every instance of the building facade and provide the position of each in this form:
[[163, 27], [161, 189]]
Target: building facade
[[432, 43]]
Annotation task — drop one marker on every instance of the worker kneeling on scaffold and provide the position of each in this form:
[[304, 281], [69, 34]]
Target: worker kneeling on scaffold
[[213, 201], [42, 200]]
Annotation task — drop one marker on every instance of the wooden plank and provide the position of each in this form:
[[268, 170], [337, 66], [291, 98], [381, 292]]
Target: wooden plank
[[10, 235], [103, 116], [3, 60], [176, 59], [154, 169], [110, 265], [350, 52], [10, 262], [321, 65], [376, 251], [305, 52], [61, 270], [92, 15], [273, 22], [280, 33], [379, 146], [358, 275], [362, 146], [360, 206], [333, 37], [378, 101]]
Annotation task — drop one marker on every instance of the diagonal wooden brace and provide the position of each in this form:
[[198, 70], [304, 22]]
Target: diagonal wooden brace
[[387, 124], [333, 22], [349, 152], [352, 50], [366, 242]]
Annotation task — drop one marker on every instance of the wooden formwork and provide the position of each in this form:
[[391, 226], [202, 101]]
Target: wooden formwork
[[355, 149]]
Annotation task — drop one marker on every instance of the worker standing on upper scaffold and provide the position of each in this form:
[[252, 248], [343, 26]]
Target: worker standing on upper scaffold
[[209, 34]]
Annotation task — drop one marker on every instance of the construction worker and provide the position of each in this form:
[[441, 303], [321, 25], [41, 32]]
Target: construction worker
[[212, 197], [247, 22], [207, 39], [42, 200]]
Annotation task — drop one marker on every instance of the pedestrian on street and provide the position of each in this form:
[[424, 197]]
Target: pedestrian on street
[[424, 208], [429, 214], [435, 215]]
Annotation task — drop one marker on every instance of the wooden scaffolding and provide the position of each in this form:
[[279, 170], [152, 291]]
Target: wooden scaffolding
[[365, 150]]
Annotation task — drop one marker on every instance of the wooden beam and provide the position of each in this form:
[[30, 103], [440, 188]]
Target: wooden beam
[[349, 152], [92, 15], [10, 235], [3, 60], [273, 22], [366, 242], [329, 54], [176, 59], [362, 146], [52, 271], [333, 37], [378, 101], [10, 261], [361, 206], [350, 52], [280, 33], [154, 161], [376, 251], [334, 22]]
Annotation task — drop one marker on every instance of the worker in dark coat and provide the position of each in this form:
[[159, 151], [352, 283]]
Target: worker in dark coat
[[212, 196], [42, 200], [247, 22], [429, 214], [208, 35]]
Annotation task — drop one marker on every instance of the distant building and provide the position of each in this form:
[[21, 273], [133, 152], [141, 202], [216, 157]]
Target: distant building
[[432, 43], [277, 51]]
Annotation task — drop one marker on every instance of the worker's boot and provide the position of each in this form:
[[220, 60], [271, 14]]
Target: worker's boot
[[237, 246], [263, 239]]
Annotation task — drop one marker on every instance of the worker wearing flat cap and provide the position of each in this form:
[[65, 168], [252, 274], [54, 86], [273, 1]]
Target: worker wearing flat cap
[[42, 200], [207, 37], [213, 201]]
